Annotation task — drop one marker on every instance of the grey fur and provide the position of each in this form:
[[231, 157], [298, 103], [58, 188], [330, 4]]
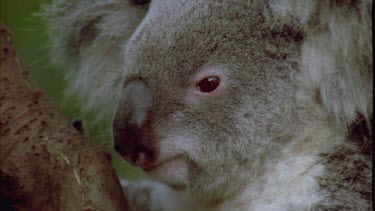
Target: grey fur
[[283, 134]]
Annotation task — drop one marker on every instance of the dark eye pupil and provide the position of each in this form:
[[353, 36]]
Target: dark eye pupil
[[209, 84]]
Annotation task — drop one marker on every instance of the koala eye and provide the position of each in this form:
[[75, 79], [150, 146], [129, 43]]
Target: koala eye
[[208, 84]]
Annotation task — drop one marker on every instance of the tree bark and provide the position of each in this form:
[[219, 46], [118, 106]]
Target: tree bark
[[45, 164]]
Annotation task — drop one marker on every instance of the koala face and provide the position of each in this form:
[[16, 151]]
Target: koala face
[[207, 86], [257, 104]]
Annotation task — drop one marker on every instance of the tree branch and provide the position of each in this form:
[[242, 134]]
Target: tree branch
[[45, 164]]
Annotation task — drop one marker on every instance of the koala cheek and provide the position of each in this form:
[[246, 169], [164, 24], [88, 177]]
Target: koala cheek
[[178, 152], [173, 172]]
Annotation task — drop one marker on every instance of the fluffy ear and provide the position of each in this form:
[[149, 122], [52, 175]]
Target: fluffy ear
[[88, 37], [336, 56]]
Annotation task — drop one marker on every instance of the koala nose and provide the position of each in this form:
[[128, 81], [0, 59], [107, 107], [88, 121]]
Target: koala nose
[[130, 117]]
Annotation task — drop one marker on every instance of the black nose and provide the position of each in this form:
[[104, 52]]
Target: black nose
[[128, 144], [128, 134]]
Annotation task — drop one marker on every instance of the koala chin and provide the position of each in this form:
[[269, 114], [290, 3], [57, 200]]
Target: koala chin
[[229, 105]]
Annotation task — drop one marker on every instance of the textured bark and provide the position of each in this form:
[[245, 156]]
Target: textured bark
[[45, 164]]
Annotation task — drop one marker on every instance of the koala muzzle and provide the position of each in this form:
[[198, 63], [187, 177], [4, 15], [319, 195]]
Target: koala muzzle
[[130, 117]]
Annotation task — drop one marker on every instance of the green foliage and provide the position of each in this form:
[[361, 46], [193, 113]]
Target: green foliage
[[33, 45]]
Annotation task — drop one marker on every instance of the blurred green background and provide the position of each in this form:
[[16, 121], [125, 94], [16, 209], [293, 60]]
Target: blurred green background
[[33, 46]]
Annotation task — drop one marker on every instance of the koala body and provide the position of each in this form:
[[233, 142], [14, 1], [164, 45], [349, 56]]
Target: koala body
[[234, 105]]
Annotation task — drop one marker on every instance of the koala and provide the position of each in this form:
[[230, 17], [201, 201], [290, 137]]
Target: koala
[[229, 105]]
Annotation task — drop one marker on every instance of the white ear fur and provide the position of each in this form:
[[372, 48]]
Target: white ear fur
[[89, 37], [336, 57]]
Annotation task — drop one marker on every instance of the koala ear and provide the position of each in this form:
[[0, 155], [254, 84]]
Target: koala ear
[[77, 24], [293, 11], [336, 56], [88, 45]]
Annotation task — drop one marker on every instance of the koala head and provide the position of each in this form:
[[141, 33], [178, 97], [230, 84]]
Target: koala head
[[228, 100], [207, 94]]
